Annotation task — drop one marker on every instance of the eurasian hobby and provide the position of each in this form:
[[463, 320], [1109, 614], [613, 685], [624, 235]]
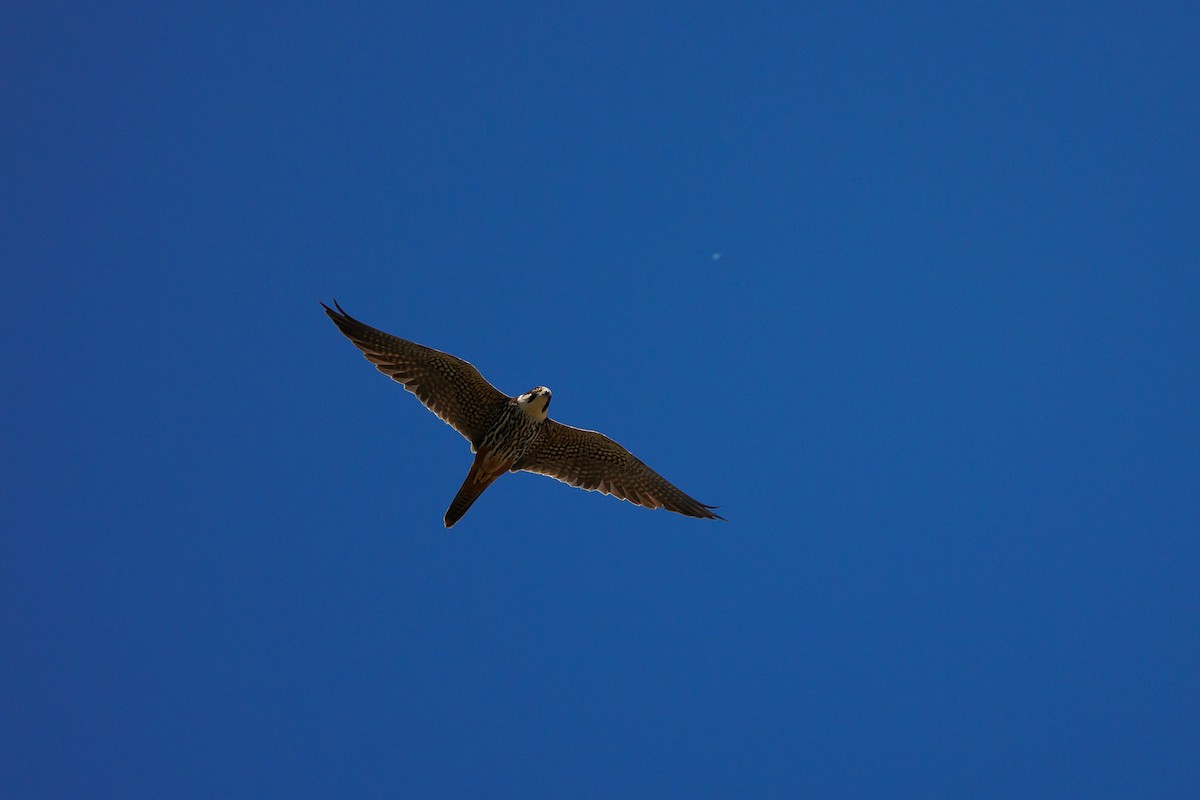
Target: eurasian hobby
[[511, 433]]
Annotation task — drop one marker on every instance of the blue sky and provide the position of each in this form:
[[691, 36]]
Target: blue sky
[[912, 292]]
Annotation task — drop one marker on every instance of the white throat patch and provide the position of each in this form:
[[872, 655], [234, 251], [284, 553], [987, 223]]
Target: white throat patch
[[536, 407]]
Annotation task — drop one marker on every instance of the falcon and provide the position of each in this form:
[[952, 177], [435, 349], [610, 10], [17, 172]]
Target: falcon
[[510, 434]]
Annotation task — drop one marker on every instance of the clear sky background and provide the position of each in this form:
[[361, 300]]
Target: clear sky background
[[911, 292]]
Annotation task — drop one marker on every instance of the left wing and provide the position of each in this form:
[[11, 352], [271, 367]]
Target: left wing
[[592, 461]]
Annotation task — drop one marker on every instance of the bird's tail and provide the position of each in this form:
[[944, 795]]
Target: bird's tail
[[479, 478]]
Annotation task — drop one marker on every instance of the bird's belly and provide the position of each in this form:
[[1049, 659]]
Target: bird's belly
[[494, 462]]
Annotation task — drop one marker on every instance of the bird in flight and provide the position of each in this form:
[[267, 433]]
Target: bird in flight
[[511, 433]]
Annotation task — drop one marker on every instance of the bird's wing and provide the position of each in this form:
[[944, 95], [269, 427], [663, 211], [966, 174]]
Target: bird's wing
[[595, 462], [447, 385]]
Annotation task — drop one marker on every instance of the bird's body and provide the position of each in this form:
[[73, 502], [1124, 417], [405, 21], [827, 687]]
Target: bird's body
[[511, 433], [515, 428]]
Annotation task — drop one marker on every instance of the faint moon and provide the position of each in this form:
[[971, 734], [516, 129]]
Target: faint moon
[[716, 256]]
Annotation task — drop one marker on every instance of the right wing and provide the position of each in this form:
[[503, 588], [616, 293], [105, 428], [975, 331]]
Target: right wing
[[447, 385]]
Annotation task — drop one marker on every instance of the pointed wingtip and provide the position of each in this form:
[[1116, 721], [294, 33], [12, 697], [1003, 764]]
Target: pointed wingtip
[[340, 312]]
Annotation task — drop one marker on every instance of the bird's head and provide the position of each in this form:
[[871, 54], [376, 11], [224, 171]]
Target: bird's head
[[535, 402]]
